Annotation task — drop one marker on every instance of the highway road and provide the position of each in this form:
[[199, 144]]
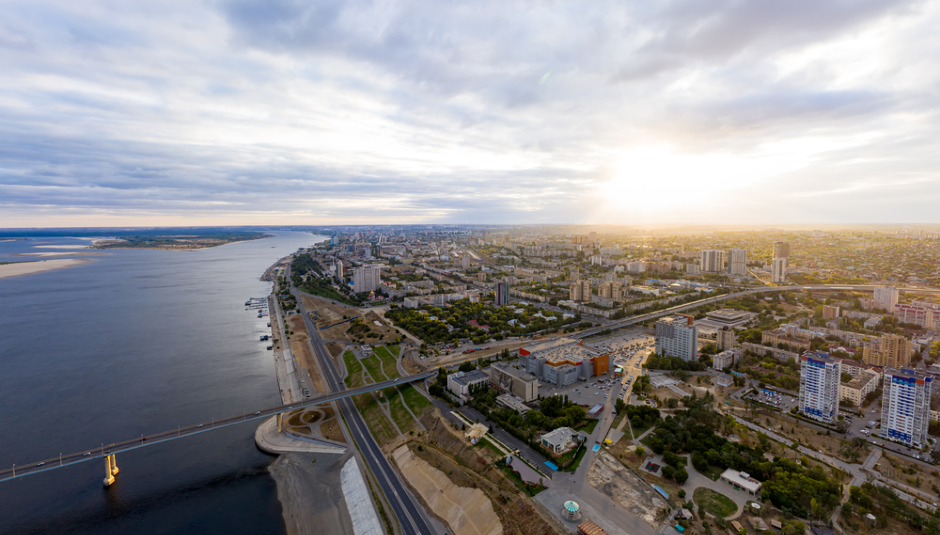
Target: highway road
[[100, 451], [404, 507]]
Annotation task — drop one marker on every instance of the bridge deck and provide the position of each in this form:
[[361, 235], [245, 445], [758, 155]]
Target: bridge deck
[[99, 452]]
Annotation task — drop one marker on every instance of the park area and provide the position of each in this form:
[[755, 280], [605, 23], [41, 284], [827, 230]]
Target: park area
[[393, 411], [713, 502]]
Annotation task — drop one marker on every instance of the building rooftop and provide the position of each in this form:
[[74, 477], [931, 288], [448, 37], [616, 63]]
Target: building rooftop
[[742, 479], [465, 378], [727, 315], [562, 351], [507, 369]]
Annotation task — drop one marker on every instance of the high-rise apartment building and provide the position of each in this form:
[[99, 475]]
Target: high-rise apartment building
[[465, 262], [886, 297], [575, 274], [725, 338], [338, 271], [611, 289], [905, 406], [781, 249], [502, 294], [737, 262], [366, 278], [580, 291], [820, 379], [713, 261], [830, 312], [779, 271], [676, 336]]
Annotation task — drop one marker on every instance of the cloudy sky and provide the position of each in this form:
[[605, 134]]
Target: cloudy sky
[[309, 112]]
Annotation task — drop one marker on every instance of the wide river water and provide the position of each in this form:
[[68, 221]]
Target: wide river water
[[138, 342]]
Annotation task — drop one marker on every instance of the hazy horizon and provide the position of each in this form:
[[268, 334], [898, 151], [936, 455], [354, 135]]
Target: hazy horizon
[[251, 113]]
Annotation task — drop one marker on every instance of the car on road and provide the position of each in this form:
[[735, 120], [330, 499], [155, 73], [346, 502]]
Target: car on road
[[257, 413], [40, 464]]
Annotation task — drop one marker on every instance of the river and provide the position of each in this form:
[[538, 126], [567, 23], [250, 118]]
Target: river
[[137, 342]]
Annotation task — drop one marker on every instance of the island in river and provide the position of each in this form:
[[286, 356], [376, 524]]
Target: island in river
[[178, 241]]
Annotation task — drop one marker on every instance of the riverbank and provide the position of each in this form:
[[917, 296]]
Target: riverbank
[[17, 269], [309, 488]]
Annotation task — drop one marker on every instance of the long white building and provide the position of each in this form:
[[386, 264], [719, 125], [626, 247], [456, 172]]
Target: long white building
[[905, 406], [820, 381], [677, 337]]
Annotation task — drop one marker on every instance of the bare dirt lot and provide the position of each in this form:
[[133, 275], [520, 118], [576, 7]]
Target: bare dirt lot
[[612, 478], [467, 510], [906, 471], [301, 350]]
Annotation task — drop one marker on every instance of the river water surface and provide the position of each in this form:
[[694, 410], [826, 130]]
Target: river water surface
[[138, 342]]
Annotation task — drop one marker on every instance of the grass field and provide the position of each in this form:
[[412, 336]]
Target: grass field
[[589, 426], [713, 502], [388, 362], [374, 367], [415, 400], [354, 370], [399, 413], [375, 418], [394, 349]]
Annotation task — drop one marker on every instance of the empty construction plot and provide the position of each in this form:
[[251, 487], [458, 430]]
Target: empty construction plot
[[466, 510]]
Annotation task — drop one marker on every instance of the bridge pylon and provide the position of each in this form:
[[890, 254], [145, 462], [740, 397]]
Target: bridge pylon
[[110, 470]]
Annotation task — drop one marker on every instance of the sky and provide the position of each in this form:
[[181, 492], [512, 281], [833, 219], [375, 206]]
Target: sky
[[293, 112]]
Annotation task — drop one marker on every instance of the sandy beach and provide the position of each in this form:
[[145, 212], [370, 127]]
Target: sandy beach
[[28, 268], [80, 253]]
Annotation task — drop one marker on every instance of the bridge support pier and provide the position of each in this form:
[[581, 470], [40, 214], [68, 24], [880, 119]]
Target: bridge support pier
[[280, 423], [110, 470]]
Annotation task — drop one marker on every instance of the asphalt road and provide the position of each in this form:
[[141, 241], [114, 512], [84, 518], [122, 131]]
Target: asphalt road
[[403, 505]]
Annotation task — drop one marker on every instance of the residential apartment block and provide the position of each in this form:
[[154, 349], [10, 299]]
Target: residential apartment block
[[676, 336], [820, 380], [853, 392], [905, 406]]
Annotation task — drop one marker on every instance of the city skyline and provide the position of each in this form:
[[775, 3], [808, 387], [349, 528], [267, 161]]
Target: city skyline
[[707, 112]]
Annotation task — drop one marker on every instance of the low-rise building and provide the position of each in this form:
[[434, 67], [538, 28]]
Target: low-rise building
[[459, 383], [512, 402], [560, 440], [723, 360], [741, 481], [860, 386], [564, 361]]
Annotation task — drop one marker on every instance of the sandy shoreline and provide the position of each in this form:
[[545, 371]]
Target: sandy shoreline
[[82, 253], [17, 269]]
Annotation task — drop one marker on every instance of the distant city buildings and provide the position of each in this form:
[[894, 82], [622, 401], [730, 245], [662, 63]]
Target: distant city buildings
[[737, 262], [611, 289], [713, 261], [905, 406], [820, 381], [676, 336], [723, 360]]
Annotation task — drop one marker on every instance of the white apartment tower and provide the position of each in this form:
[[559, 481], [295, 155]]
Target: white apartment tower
[[366, 278], [779, 271], [886, 297], [737, 262], [820, 380], [905, 406], [677, 337], [713, 261], [338, 270]]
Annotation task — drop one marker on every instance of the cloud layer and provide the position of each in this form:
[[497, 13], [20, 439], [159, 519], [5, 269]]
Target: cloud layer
[[284, 111]]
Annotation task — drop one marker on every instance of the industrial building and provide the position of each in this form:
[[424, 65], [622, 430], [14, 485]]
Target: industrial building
[[564, 361], [459, 383]]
